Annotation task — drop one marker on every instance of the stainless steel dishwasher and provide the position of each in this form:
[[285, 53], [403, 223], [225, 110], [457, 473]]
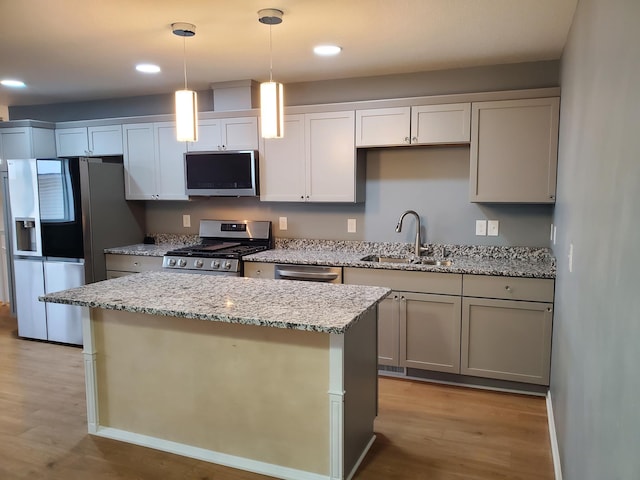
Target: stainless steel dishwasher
[[309, 273]]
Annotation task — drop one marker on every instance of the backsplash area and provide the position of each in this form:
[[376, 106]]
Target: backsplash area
[[433, 181]]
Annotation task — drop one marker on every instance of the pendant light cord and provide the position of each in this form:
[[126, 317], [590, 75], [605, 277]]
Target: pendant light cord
[[270, 56], [184, 59]]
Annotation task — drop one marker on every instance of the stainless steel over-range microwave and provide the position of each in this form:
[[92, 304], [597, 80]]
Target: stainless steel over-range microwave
[[232, 173]]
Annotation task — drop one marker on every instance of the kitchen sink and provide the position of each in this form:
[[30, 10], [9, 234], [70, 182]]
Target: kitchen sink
[[416, 261], [377, 259], [435, 262]]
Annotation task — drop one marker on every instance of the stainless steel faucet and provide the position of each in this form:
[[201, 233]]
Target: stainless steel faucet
[[418, 246]]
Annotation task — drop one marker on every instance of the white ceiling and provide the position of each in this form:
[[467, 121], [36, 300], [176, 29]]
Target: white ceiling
[[68, 50]]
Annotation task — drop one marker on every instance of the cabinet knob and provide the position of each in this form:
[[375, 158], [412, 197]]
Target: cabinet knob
[[549, 309], [407, 140], [507, 288], [414, 139], [302, 196], [135, 263]]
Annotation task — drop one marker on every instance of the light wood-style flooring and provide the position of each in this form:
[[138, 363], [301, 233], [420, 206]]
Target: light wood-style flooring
[[424, 431]]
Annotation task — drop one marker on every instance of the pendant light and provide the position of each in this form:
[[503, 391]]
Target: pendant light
[[271, 93], [186, 100]]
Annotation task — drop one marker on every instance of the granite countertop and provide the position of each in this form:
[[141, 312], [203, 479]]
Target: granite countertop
[[502, 261], [320, 307], [143, 249]]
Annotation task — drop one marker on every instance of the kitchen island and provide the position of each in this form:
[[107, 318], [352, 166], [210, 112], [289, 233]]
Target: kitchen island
[[275, 377]]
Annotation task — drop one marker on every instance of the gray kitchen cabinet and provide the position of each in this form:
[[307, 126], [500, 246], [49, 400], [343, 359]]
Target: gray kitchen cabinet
[[507, 336], [514, 151], [416, 125], [26, 142], [89, 141], [259, 270], [316, 161], [239, 133], [120, 265], [154, 162], [430, 332], [416, 328]]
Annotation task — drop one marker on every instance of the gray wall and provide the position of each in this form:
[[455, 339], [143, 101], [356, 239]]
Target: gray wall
[[477, 79], [595, 385], [432, 181]]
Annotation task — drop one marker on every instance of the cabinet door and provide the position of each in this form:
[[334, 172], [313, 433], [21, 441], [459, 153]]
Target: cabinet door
[[330, 157], [282, 164], [434, 124], [240, 133], [170, 163], [507, 340], [209, 137], [31, 313], [430, 332], [139, 161], [64, 322], [105, 140], [383, 127], [259, 270], [514, 151], [72, 142], [15, 143], [388, 327]]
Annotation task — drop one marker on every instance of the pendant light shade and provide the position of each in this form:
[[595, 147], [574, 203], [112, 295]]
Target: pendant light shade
[[271, 110], [271, 93], [186, 100], [187, 115]]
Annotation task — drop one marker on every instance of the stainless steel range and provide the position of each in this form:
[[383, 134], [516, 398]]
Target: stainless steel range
[[224, 243]]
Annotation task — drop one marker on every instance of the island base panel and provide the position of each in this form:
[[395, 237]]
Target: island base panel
[[257, 393]]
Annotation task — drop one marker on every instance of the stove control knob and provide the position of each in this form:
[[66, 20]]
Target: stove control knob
[[227, 265], [182, 263], [215, 264], [198, 263], [172, 262]]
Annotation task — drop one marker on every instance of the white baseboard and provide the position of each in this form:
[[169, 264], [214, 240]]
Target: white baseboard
[[555, 451], [233, 461]]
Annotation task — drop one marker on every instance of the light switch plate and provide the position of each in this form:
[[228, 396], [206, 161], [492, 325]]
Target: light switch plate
[[282, 223], [351, 225], [481, 227], [186, 221], [492, 228]]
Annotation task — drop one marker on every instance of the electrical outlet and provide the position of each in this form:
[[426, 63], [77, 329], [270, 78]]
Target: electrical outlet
[[351, 225], [481, 227], [492, 228], [283, 223], [186, 221]]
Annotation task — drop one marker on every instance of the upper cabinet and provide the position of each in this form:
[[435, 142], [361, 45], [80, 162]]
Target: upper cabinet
[[514, 151], [26, 142], [416, 125], [226, 134], [315, 161], [89, 141], [154, 162]]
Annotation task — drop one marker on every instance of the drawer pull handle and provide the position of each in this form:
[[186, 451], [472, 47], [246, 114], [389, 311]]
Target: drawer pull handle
[[507, 288]]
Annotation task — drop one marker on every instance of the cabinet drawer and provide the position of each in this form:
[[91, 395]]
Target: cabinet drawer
[[133, 263], [406, 281], [259, 270], [508, 288]]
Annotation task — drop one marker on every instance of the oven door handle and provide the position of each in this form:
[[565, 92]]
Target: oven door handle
[[313, 276]]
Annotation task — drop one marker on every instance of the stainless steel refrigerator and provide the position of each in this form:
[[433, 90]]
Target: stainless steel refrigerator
[[64, 213]]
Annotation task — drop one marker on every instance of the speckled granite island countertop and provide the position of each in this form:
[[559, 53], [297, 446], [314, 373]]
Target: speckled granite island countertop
[[529, 262], [311, 306]]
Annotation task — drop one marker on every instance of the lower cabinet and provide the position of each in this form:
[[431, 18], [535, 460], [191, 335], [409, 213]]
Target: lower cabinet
[[119, 265], [506, 340], [430, 332], [259, 270]]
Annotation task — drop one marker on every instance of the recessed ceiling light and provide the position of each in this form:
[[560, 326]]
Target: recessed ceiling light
[[13, 83], [147, 68], [327, 50]]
